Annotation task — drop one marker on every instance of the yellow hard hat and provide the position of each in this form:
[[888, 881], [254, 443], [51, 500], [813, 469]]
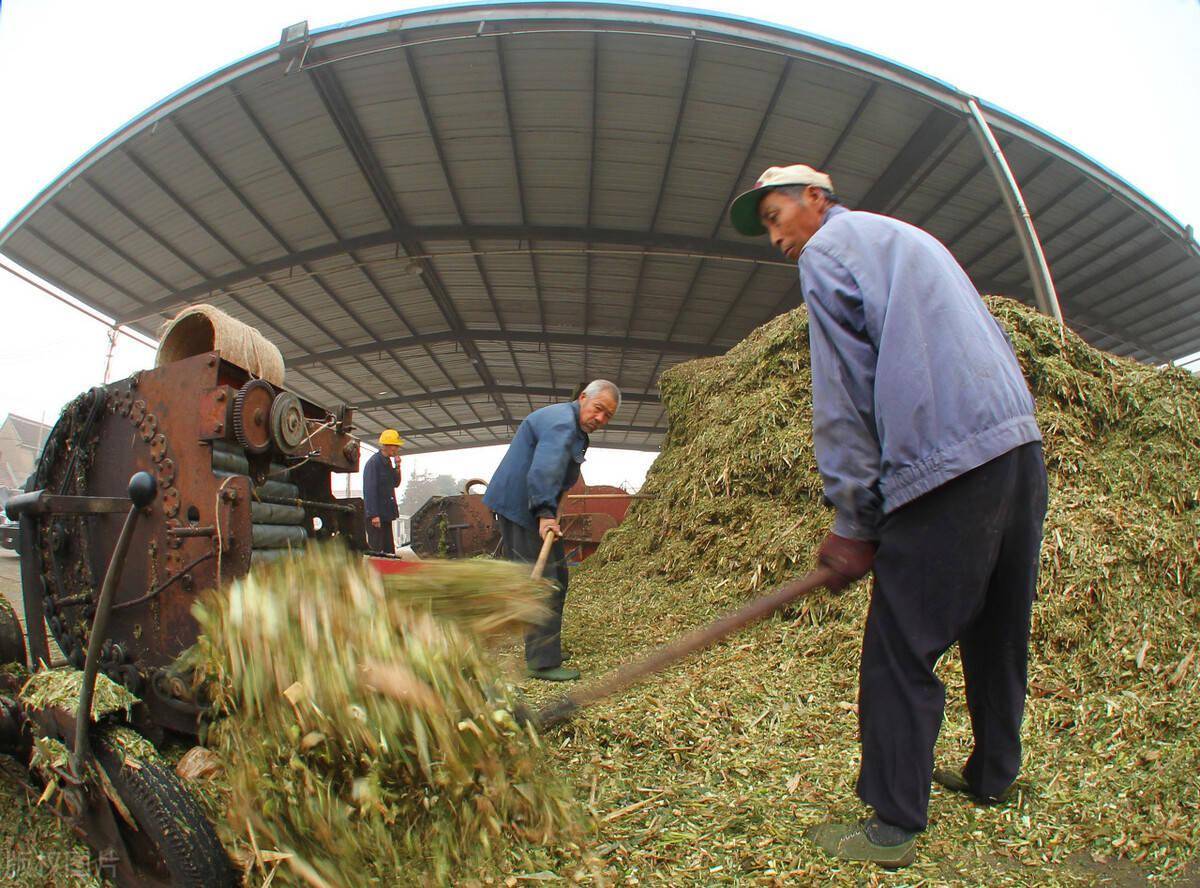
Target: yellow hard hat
[[391, 436]]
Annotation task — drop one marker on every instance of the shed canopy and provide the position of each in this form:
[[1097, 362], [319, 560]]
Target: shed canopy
[[448, 218]]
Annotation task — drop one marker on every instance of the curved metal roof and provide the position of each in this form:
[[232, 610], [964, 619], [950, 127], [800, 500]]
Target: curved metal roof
[[449, 217]]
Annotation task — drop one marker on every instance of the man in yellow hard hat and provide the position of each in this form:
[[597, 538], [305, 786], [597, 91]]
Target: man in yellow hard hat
[[381, 477]]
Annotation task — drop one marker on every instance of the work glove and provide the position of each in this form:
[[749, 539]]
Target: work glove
[[849, 559]]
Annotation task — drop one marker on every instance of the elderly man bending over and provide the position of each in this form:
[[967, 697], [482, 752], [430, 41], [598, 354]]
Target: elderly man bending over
[[541, 464]]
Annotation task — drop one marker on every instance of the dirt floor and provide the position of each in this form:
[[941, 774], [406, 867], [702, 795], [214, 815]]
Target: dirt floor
[[10, 586]]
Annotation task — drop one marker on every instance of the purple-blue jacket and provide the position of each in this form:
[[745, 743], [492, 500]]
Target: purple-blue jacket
[[541, 464], [914, 383]]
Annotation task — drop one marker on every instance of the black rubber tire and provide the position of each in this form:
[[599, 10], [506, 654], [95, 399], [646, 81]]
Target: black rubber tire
[[12, 639], [169, 818]]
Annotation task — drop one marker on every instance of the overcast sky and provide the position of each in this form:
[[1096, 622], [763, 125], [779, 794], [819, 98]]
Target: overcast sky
[[1118, 80]]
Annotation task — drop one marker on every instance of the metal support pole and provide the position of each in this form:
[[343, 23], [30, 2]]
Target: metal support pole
[[1031, 247]]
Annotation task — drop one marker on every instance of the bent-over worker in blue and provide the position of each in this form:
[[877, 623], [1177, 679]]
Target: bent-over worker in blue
[[541, 464], [926, 442]]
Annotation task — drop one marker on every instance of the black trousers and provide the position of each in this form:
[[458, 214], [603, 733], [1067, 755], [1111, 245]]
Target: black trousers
[[381, 539], [956, 565], [543, 642]]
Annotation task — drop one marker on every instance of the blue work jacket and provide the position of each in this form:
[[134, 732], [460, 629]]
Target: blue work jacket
[[913, 382], [542, 462], [380, 480]]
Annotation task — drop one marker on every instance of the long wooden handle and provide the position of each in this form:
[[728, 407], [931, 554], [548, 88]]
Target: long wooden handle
[[631, 673], [547, 543]]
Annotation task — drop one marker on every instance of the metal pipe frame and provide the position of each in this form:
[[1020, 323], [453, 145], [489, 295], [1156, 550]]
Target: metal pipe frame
[[1035, 259]]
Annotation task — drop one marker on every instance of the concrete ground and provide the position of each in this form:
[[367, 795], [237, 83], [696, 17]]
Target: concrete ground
[[10, 586]]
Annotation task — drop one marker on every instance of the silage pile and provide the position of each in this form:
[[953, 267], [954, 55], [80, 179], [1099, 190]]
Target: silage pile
[[365, 736], [712, 772]]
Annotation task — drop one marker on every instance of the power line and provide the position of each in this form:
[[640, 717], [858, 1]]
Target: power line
[[82, 309]]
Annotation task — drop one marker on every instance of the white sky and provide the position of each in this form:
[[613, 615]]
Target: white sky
[[1118, 80]]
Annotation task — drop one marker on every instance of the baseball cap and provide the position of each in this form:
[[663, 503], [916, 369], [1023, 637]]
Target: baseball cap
[[743, 213]]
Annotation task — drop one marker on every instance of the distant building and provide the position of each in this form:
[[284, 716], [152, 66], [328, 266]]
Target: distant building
[[21, 441], [402, 530]]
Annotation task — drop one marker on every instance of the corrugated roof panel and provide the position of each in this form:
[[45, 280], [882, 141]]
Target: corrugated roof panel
[[33, 254], [595, 122], [84, 247], [298, 124]]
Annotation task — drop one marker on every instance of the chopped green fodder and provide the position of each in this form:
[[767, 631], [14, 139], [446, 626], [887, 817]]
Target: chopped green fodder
[[59, 688], [481, 596], [712, 771], [366, 741]]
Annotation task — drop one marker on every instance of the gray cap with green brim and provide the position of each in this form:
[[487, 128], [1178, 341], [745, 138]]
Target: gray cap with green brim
[[743, 213]]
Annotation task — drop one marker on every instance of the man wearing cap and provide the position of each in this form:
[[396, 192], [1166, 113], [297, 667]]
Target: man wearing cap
[[381, 477], [542, 462], [925, 437]]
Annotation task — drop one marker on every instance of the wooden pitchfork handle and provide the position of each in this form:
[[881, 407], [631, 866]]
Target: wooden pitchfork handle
[[621, 678], [543, 556]]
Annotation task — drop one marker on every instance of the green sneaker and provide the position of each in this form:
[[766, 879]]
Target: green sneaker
[[953, 780], [555, 673], [849, 841]]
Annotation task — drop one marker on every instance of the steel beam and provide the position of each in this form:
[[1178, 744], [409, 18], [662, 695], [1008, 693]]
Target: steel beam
[[408, 234], [591, 188], [499, 423], [275, 235], [925, 173], [469, 391], [435, 138], [520, 183], [416, 450], [344, 118], [1159, 272], [1121, 263], [303, 188], [1078, 217], [667, 346], [983, 214], [737, 182], [262, 319], [1035, 259], [125, 257], [1054, 201], [636, 297], [83, 266], [173, 250], [934, 129], [849, 125]]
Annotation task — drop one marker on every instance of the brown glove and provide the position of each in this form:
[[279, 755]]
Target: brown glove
[[850, 559]]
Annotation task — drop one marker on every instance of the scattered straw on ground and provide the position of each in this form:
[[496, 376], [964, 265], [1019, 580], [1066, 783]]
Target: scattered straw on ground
[[713, 771]]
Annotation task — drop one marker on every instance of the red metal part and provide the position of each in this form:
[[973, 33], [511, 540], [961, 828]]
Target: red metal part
[[585, 521], [458, 526], [169, 421], [462, 526]]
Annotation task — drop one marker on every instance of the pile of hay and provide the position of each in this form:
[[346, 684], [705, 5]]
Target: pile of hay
[[365, 739], [713, 771]]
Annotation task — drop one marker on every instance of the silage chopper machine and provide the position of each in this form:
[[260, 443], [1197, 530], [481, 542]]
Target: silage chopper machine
[[148, 492]]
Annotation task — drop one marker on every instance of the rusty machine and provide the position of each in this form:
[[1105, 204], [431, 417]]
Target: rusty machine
[[227, 471], [461, 526]]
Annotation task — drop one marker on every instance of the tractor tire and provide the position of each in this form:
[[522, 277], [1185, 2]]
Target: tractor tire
[[12, 638], [174, 839]]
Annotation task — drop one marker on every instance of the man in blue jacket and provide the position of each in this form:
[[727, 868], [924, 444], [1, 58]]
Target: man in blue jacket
[[926, 441], [541, 464], [381, 477]]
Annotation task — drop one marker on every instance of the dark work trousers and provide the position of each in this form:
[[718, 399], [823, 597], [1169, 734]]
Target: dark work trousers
[[543, 642], [957, 564], [381, 539]]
